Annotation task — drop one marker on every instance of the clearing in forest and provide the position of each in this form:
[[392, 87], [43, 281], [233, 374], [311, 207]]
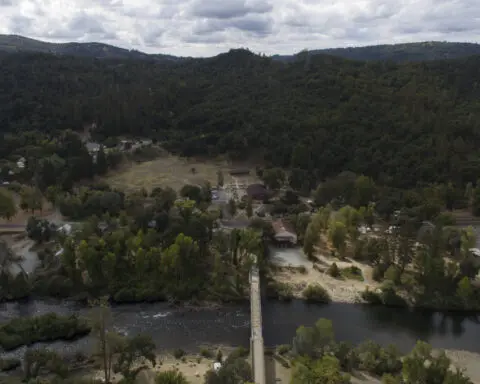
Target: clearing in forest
[[171, 171]]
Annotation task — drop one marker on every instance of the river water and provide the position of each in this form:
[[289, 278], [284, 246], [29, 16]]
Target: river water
[[187, 329]]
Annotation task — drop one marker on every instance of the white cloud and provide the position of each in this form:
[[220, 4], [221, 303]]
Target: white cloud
[[207, 27]]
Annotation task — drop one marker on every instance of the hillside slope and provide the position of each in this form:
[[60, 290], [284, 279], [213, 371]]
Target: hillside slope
[[425, 51], [14, 43], [397, 123]]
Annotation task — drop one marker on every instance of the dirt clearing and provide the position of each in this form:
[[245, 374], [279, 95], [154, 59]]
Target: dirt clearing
[[340, 290], [172, 171]]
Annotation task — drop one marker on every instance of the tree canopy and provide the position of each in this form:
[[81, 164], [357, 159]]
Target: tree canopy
[[396, 123]]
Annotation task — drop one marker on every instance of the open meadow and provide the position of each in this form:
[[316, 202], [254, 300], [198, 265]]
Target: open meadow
[[172, 171]]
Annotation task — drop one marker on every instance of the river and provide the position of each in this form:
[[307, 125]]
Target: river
[[186, 329]]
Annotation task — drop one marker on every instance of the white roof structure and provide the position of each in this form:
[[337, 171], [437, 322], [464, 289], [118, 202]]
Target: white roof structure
[[66, 229]]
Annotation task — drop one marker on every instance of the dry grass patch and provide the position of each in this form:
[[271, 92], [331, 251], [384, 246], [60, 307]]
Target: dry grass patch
[[169, 170]]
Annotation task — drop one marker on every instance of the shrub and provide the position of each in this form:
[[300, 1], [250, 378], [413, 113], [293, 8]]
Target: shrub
[[284, 349], [205, 352], [371, 297], [378, 272], [178, 353], [378, 360], [169, 377], [49, 327], [315, 293], [334, 271], [284, 362], [238, 353], [281, 291], [353, 273], [302, 269], [125, 295], [393, 274], [390, 296], [9, 364]]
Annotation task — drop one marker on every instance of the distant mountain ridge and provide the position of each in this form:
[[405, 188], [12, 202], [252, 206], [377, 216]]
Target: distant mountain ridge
[[15, 43], [409, 52]]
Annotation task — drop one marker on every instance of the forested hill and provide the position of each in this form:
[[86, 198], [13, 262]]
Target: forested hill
[[14, 43], [400, 124], [425, 51]]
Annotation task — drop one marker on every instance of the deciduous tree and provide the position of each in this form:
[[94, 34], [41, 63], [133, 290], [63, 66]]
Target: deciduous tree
[[8, 208]]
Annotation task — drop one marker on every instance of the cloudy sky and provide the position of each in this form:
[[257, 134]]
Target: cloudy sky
[[207, 27]]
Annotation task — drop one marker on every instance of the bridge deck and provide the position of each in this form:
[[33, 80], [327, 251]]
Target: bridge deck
[[256, 341]]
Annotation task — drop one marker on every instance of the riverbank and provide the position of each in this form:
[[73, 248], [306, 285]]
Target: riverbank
[[341, 290], [467, 361], [193, 367]]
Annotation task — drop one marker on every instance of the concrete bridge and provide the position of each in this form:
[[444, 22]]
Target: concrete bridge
[[256, 338]]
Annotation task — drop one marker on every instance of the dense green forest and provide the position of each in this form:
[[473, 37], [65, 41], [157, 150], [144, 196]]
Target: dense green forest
[[15, 43], [400, 124], [424, 51]]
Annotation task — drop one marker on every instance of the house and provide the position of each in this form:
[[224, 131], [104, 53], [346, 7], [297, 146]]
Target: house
[[125, 145], [475, 252], [65, 229], [283, 234], [21, 163], [257, 192], [240, 172], [92, 147]]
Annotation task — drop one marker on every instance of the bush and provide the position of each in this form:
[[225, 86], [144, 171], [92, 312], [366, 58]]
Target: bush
[[353, 273], [393, 274], [386, 296], [169, 377], [378, 272], [9, 364], [238, 353], [315, 293], [334, 271], [205, 352], [377, 360], [284, 349], [390, 296], [125, 295], [302, 269], [49, 327], [371, 297], [281, 291], [284, 362], [178, 353]]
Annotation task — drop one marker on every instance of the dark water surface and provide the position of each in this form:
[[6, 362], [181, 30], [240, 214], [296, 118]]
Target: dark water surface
[[187, 329]]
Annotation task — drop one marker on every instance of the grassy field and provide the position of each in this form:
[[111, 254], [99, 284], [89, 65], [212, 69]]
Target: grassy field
[[170, 171]]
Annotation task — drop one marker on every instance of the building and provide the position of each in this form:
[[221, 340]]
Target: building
[[283, 234], [21, 163], [240, 172], [257, 192], [92, 147]]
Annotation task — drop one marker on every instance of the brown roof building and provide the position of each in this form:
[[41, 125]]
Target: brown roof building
[[257, 191], [283, 233]]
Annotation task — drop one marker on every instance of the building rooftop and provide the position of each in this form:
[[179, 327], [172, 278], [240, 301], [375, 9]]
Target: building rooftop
[[281, 226], [256, 189]]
